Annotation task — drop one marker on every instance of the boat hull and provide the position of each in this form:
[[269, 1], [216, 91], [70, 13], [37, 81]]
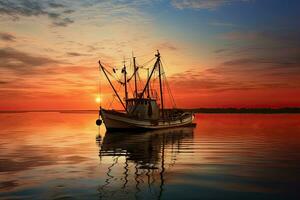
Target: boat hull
[[114, 120]]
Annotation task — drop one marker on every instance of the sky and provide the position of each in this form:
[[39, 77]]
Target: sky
[[215, 53]]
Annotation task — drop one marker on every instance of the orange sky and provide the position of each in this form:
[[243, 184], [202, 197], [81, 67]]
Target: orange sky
[[212, 55]]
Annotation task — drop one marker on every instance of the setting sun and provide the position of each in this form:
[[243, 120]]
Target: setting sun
[[98, 99]]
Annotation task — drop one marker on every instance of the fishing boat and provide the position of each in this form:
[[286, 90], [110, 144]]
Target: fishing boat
[[144, 109]]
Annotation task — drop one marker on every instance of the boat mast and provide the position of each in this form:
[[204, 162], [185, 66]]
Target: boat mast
[[148, 87], [125, 85], [147, 83], [157, 64], [135, 84], [160, 84]]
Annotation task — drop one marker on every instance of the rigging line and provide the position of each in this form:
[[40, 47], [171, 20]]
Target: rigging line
[[114, 96], [169, 92], [143, 65], [130, 88], [144, 55], [140, 79], [139, 56], [168, 86], [125, 59], [110, 105], [132, 75], [116, 78]]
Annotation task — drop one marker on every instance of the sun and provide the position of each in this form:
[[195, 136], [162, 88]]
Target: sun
[[98, 99]]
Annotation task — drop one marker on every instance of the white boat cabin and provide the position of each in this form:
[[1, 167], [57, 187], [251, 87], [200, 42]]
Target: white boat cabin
[[143, 108]]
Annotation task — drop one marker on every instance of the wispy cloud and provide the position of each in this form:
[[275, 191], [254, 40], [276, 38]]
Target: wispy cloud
[[64, 13], [166, 46], [17, 60], [222, 24], [202, 4], [255, 61], [56, 5], [270, 49], [276, 35], [16, 9], [233, 78], [8, 37], [76, 54], [246, 35], [63, 22]]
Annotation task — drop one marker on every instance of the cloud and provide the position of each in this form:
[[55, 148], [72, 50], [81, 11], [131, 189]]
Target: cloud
[[63, 22], [256, 72], [277, 35], [56, 5], [8, 185], [245, 35], [256, 61], [224, 24], [207, 82], [240, 61], [25, 8], [222, 79], [3, 82], [220, 51], [202, 4], [268, 50], [17, 60], [53, 15], [95, 11], [167, 46], [7, 37], [69, 11], [75, 54], [15, 9]]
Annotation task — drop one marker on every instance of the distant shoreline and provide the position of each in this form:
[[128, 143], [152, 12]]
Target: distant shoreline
[[288, 110]]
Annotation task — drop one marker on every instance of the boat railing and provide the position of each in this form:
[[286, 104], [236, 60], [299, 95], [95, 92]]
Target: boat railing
[[171, 115]]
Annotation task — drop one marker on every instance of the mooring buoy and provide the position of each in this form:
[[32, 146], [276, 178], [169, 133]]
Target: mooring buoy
[[98, 122]]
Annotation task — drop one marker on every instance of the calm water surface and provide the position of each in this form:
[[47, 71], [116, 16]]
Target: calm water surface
[[227, 156]]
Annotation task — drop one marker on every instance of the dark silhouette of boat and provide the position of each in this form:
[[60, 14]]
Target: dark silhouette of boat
[[142, 110]]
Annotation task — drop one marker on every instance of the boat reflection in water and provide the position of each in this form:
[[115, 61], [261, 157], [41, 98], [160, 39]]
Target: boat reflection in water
[[139, 162]]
